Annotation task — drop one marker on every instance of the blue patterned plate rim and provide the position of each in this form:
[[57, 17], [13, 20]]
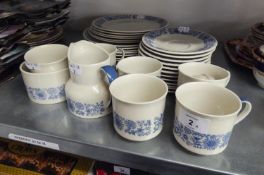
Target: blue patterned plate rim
[[209, 41], [98, 23]]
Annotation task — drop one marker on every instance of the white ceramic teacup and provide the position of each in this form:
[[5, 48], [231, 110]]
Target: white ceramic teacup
[[205, 115], [139, 65], [47, 58], [138, 106], [111, 50], [194, 71], [45, 88]]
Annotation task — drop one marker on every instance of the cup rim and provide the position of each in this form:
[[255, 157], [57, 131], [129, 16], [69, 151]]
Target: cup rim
[[114, 46], [141, 75], [204, 114], [43, 46], [38, 73], [206, 64], [139, 57], [107, 56]]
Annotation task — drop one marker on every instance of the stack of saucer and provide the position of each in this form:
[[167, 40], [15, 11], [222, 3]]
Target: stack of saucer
[[124, 31], [175, 46]]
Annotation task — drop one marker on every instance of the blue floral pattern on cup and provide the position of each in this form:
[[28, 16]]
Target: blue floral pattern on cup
[[83, 109], [199, 140], [138, 127], [46, 93]]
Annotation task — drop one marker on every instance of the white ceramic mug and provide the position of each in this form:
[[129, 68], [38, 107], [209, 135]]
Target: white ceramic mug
[[205, 115], [47, 58], [111, 50], [45, 88], [87, 93], [138, 106], [194, 71], [139, 65]]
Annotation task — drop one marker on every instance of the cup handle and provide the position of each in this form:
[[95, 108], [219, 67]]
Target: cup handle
[[228, 79], [244, 111], [110, 73], [123, 52]]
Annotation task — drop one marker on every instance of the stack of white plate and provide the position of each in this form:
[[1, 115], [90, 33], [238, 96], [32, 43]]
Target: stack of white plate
[[125, 31], [175, 46]]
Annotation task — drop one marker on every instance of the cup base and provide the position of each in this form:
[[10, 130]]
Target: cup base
[[47, 102], [137, 138], [105, 113], [196, 150]]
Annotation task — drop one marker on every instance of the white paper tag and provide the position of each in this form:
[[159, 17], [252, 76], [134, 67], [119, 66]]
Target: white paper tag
[[33, 141], [32, 66], [75, 69], [194, 122], [183, 29], [123, 170]]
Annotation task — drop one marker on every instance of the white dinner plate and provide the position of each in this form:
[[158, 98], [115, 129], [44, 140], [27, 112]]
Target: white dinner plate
[[129, 23], [180, 57], [179, 41], [113, 36], [173, 60]]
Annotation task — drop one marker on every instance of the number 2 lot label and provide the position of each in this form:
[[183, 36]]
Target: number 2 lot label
[[193, 122]]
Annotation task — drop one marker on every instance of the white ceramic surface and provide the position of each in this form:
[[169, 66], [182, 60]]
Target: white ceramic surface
[[113, 35], [191, 72], [111, 50], [139, 65], [45, 88], [111, 40], [129, 23], [259, 76], [87, 93], [183, 41], [174, 56], [175, 61], [46, 58], [205, 115], [138, 108]]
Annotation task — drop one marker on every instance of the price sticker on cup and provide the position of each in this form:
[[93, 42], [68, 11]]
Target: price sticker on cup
[[32, 66], [183, 29], [193, 121], [75, 69]]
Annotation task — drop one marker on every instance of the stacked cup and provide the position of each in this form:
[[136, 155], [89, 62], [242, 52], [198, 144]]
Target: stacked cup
[[138, 97], [206, 111], [45, 73]]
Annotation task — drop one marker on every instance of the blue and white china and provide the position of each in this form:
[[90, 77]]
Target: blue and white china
[[192, 72], [87, 93], [138, 108], [133, 65], [45, 88], [124, 31], [176, 46], [205, 115], [177, 41], [129, 23]]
